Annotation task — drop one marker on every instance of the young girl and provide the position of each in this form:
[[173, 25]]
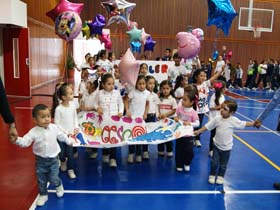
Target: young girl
[[202, 86], [215, 103], [109, 103], [102, 61], [136, 105], [153, 107], [184, 145], [82, 86], [223, 140], [167, 108], [143, 69], [179, 87], [65, 116]]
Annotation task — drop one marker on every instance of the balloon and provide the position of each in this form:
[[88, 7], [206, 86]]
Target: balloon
[[105, 38], [86, 31], [128, 68], [64, 6], [118, 11], [149, 45], [221, 13], [215, 55], [229, 55], [131, 24], [144, 36], [188, 45], [97, 25], [198, 32], [68, 25], [135, 46], [134, 34]]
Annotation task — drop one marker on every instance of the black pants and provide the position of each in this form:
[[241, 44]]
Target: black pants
[[200, 116], [262, 77], [184, 151], [111, 151], [278, 126], [168, 145], [211, 143]]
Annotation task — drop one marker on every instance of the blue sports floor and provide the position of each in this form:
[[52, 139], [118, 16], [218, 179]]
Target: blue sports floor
[[155, 184]]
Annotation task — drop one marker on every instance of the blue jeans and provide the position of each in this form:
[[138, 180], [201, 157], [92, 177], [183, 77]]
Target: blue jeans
[[219, 161], [47, 169], [66, 151]]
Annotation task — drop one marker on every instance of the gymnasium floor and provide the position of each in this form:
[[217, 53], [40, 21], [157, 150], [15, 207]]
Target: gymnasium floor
[[153, 184]]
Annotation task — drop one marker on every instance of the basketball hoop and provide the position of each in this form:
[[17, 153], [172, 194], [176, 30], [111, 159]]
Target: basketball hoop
[[257, 32]]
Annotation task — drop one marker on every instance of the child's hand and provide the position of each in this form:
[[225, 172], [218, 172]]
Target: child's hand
[[176, 119], [257, 123], [144, 116], [186, 123], [196, 133], [99, 110]]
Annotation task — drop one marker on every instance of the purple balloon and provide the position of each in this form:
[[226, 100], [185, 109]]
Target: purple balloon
[[97, 25], [149, 45]]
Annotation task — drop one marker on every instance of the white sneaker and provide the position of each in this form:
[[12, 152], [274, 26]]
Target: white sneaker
[[211, 153], [169, 154], [93, 155], [59, 191], [138, 158], [71, 174], [145, 155], [63, 166], [220, 180], [130, 158], [76, 155], [187, 168], [113, 163], [197, 143], [42, 199], [211, 179], [161, 153], [179, 169], [105, 158]]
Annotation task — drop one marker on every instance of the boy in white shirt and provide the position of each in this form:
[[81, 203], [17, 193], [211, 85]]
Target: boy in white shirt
[[177, 69], [46, 149]]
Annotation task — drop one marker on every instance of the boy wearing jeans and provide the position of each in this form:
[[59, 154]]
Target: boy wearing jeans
[[46, 149]]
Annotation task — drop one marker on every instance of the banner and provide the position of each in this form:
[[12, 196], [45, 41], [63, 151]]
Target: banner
[[114, 131]]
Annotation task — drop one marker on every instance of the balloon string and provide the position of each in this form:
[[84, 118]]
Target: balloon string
[[65, 74]]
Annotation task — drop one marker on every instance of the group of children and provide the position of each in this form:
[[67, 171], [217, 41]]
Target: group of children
[[101, 94]]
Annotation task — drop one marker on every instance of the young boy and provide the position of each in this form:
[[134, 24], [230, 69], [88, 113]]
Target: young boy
[[223, 140], [46, 149]]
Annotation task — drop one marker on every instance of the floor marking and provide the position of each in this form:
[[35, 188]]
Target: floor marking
[[171, 192], [255, 107], [254, 131]]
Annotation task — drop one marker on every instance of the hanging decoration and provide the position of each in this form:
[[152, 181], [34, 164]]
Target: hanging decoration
[[188, 45]]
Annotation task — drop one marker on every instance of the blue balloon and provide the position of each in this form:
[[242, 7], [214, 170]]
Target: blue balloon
[[215, 55], [221, 13], [135, 46]]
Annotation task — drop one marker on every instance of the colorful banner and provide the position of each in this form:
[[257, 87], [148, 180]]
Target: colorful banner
[[114, 131]]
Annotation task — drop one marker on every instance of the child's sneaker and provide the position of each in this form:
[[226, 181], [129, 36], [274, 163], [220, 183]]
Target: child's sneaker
[[71, 174], [211, 179], [93, 155], [197, 143], [130, 158], [63, 166], [161, 153], [105, 158], [187, 168], [179, 169], [59, 191], [113, 163], [145, 155], [138, 158], [220, 180], [76, 155], [42, 199], [169, 154], [211, 153]]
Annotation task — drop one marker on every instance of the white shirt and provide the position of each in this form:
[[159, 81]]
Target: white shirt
[[239, 73], [106, 65], [219, 66], [137, 102], [153, 103], [174, 71], [212, 104], [82, 87], [110, 102], [227, 73], [203, 92], [179, 93], [166, 105], [44, 140], [224, 130], [89, 99], [263, 68], [66, 118]]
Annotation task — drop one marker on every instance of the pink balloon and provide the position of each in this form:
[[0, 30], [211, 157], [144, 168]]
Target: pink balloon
[[229, 55], [144, 36], [198, 32], [64, 6], [131, 24], [188, 45], [129, 69], [105, 38]]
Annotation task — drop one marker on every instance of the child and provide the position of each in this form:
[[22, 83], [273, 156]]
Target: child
[[82, 86], [238, 76], [143, 69], [223, 140], [109, 103], [167, 108], [184, 145], [87, 105], [137, 105], [102, 61], [179, 87], [44, 135], [177, 69], [202, 86], [215, 103], [65, 116]]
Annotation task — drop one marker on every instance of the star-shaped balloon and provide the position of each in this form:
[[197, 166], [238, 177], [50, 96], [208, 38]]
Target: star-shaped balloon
[[97, 25], [149, 45], [131, 24], [144, 36], [129, 69], [64, 6], [134, 34], [221, 13], [105, 38], [135, 46], [118, 11], [86, 31]]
